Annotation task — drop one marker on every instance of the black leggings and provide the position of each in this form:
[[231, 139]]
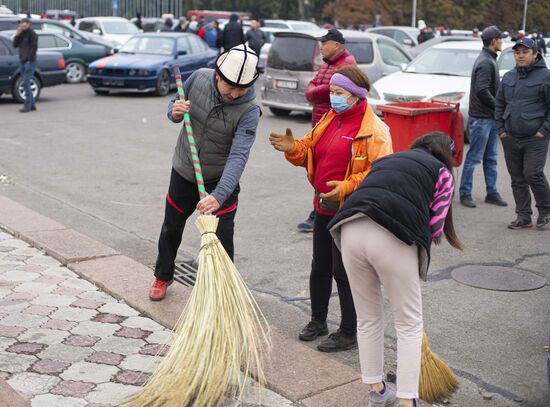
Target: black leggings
[[326, 263], [181, 202]]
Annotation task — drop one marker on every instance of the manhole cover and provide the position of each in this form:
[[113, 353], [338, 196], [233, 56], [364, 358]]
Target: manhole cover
[[185, 274], [498, 278]]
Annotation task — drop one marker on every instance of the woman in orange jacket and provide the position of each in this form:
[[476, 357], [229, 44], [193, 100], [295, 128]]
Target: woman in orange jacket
[[337, 153]]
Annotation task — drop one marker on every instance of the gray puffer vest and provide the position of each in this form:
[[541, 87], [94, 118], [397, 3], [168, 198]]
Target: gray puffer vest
[[214, 124]]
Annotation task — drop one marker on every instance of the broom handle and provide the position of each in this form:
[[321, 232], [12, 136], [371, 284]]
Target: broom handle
[[190, 138]]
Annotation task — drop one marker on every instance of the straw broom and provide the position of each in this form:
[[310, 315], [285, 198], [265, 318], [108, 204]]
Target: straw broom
[[437, 380], [220, 332]]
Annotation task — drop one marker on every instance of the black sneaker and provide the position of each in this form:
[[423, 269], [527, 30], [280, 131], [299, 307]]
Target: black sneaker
[[494, 198], [24, 110], [313, 329], [520, 223], [543, 220], [337, 342], [467, 201]]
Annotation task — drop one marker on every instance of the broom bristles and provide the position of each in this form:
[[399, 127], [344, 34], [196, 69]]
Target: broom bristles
[[437, 380], [220, 332]]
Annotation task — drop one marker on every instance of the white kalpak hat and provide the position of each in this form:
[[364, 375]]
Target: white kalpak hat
[[237, 66]]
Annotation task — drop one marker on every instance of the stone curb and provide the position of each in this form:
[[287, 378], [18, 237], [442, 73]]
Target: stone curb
[[295, 371], [9, 397]]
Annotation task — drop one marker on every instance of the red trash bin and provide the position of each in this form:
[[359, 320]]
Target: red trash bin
[[409, 120]]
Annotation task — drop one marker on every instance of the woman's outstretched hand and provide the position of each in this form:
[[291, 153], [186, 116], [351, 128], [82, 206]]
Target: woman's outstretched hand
[[282, 142]]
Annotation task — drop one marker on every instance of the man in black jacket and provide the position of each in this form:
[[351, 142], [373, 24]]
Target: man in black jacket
[[233, 34], [523, 122], [481, 123], [27, 41], [256, 37]]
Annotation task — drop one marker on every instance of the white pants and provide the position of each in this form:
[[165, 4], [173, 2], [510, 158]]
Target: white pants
[[373, 257]]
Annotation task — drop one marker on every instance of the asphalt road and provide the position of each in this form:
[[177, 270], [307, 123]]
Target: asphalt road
[[101, 165]]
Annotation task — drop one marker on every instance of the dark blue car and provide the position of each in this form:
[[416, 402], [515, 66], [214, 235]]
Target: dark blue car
[[50, 71], [145, 62]]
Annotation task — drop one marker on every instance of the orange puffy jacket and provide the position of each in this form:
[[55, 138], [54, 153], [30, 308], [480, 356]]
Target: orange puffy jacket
[[371, 142]]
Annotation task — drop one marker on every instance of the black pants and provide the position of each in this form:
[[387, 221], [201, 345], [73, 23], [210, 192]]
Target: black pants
[[327, 262], [525, 161], [181, 202]]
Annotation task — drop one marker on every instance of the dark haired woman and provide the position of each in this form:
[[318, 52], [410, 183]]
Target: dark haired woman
[[384, 231], [338, 153]]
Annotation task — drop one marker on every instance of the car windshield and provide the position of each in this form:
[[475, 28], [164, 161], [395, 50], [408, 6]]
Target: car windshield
[[149, 45], [506, 61], [305, 26], [452, 62], [119, 27]]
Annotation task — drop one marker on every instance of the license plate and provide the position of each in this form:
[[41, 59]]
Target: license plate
[[286, 84], [113, 82]]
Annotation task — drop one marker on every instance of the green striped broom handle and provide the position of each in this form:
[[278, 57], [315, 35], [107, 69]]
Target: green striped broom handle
[[190, 137]]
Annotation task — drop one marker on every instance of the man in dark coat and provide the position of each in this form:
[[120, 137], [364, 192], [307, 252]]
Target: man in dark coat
[[481, 122], [522, 116], [256, 37], [233, 34], [27, 41]]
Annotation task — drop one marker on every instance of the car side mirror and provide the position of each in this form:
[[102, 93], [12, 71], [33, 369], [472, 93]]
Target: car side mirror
[[408, 42], [96, 31], [403, 66], [182, 52]]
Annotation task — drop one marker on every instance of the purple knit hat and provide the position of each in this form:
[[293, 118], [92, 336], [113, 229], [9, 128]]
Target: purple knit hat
[[346, 83]]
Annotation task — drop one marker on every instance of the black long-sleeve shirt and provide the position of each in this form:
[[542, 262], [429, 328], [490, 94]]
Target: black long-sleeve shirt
[[27, 42], [484, 85]]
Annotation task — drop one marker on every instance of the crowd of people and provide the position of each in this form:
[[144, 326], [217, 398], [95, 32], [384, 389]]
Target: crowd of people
[[224, 39]]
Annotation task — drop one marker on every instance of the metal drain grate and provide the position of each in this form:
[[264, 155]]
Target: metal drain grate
[[185, 274]]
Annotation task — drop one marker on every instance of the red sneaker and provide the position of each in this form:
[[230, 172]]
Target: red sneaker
[[158, 290]]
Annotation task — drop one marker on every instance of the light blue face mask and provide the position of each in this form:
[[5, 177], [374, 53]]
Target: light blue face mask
[[339, 103]]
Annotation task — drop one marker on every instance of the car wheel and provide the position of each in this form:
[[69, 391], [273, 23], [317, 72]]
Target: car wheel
[[279, 112], [163, 84], [18, 91], [101, 92], [75, 72]]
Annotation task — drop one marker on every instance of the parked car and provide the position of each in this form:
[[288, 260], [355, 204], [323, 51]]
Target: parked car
[[290, 25], [407, 37], [150, 24], [442, 72], [11, 23], [145, 62], [76, 55], [415, 51], [295, 56], [116, 30], [270, 36], [50, 70]]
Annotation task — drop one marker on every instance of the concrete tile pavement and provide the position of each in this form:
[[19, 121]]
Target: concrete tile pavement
[[65, 343]]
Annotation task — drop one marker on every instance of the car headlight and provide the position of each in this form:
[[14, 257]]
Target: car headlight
[[143, 72], [91, 71], [373, 94], [449, 97], [132, 72]]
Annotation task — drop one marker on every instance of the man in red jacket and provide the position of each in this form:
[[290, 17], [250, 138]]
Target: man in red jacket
[[335, 56]]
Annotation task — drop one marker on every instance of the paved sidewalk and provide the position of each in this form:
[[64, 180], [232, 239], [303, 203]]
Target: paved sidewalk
[[64, 342]]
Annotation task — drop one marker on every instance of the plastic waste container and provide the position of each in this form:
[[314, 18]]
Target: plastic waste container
[[410, 120]]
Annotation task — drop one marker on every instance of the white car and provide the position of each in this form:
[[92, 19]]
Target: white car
[[290, 25], [442, 72], [116, 30]]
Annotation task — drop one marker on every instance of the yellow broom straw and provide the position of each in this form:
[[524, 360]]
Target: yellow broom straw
[[220, 332], [437, 380]]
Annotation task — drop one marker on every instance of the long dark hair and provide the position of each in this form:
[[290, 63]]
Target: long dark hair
[[441, 146]]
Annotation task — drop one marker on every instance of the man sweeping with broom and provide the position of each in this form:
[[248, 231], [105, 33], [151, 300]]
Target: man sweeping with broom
[[221, 103]]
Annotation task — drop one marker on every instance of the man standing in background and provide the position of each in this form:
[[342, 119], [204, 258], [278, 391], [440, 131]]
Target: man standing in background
[[481, 123], [256, 37], [27, 41], [523, 122]]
